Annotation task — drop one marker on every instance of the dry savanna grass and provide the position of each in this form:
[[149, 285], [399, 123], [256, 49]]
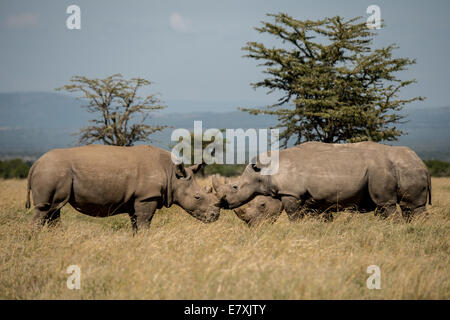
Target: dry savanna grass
[[182, 258]]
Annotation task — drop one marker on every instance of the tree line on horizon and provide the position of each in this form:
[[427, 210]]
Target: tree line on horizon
[[18, 169]]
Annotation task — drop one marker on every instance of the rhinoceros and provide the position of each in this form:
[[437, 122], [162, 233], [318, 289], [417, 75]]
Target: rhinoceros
[[102, 181], [410, 193], [316, 175]]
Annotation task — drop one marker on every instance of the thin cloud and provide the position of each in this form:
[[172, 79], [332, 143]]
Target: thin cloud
[[180, 24], [22, 20]]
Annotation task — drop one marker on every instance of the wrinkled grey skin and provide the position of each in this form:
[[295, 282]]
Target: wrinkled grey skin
[[363, 176], [102, 181], [260, 209], [267, 209]]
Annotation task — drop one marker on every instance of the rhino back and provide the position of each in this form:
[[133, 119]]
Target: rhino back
[[325, 171]]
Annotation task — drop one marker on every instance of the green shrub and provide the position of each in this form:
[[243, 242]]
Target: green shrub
[[438, 168], [18, 168], [15, 168], [226, 170]]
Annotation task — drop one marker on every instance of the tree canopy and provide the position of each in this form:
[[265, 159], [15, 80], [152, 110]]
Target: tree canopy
[[121, 112], [334, 86]]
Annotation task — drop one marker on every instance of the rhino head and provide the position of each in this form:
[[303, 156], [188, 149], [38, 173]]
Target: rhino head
[[241, 190], [199, 202], [260, 209]]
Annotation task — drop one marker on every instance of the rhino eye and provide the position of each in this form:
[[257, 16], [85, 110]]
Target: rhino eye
[[262, 205], [235, 187], [197, 197]]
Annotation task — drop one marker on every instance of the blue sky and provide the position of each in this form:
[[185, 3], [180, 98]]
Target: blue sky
[[191, 50]]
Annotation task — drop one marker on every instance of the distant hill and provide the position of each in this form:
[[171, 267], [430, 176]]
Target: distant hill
[[32, 123]]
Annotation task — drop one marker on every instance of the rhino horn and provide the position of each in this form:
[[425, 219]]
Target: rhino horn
[[216, 183]]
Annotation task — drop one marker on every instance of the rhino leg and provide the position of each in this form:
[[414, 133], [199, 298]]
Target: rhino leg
[[383, 191], [48, 211], [386, 211], [414, 201], [422, 210], [327, 216], [44, 214], [406, 212], [51, 191], [55, 218], [143, 214], [409, 213]]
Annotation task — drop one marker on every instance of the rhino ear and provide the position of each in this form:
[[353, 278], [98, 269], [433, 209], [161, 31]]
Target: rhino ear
[[196, 167], [180, 171], [252, 167], [215, 182], [255, 167]]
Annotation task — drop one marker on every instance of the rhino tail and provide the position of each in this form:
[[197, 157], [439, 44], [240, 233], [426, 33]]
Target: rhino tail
[[429, 189], [30, 173]]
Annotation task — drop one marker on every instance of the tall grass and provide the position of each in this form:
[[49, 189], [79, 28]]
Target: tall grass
[[182, 258]]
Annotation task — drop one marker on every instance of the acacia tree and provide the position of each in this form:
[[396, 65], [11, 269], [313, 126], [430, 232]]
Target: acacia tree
[[204, 145], [122, 113], [334, 86]]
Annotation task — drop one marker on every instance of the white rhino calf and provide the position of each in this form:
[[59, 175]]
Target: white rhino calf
[[102, 181], [260, 209], [268, 209]]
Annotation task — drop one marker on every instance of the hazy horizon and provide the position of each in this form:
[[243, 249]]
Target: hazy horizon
[[192, 50]]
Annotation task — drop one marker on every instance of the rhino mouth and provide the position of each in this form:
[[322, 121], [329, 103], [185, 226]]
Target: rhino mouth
[[212, 216], [224, 204]]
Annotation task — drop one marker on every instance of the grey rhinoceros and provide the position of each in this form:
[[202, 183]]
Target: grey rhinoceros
[[102, 181], [315, 175]]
